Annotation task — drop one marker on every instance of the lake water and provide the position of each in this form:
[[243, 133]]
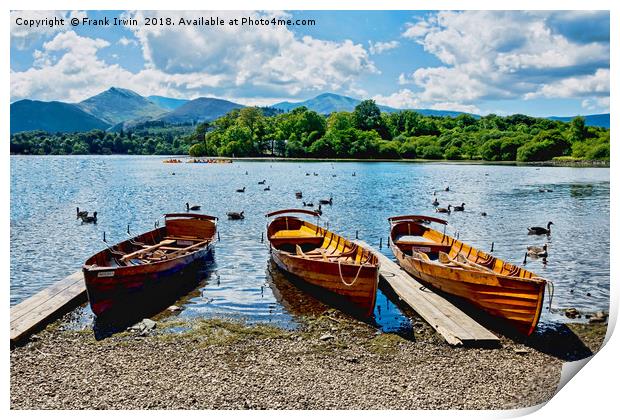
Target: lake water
[[48, 243]]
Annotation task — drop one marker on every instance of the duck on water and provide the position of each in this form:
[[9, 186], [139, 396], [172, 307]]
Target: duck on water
[[188, 207], [444, 210], [537, 230], [537, 251], [232, 215]]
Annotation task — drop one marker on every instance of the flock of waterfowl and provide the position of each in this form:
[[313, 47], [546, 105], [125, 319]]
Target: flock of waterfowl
[[532, 250]]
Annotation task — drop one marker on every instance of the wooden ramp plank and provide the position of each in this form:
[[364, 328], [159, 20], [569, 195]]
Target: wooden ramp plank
[[454, 325], [33, 312]]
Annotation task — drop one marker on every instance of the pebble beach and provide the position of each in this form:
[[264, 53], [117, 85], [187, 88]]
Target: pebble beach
[[331, 362]]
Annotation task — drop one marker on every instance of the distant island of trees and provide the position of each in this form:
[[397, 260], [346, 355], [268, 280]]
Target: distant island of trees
[[364, 133]]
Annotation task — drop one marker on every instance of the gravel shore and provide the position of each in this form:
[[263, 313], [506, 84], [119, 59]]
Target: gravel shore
[[333, 362]]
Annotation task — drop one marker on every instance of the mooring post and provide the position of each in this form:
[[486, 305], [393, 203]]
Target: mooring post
[[128, 233], [356, 234], [380, 243], [492, 245], [104, 236], [262, 237], [525, 259], [218, 236]]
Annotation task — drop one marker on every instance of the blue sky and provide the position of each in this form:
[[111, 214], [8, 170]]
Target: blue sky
[[537, 63]]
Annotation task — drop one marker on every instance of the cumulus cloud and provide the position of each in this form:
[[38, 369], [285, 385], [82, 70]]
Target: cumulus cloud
[[510, 55], [22, 37], [574, 87], [269, 60], [124, 41], [71, 62], [225, 61], [381, 47], [407, 99], [596, 103]]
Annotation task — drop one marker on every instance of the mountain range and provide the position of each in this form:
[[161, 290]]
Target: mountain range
[[118, 108]]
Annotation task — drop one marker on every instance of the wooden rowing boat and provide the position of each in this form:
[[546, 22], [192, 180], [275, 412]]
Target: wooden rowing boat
[[323, 259], [499, 288], [149, 266]]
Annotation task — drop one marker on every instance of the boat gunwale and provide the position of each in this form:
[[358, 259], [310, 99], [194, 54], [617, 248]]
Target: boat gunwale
[[535, 278], [317, 228], [89, 268]]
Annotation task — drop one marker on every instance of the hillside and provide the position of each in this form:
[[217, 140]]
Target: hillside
[[327, 103], [594, 120], [116, 105], [201, 109], [27, 115], [169, 104]]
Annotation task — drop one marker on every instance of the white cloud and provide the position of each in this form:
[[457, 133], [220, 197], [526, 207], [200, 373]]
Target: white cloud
[[403, 80], [407, 99], [509, 55], [404, 98], [124, 41], [267, 60], [228, 61], [78, 73], [23, 36], [381, 47], [592, 104], [572, 87]]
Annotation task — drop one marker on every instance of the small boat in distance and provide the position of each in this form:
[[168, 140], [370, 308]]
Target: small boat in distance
[[145, 269], [499, 288], [323, 259]]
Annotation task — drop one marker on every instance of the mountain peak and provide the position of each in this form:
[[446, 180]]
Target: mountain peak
[[120, 91], [116, 105]]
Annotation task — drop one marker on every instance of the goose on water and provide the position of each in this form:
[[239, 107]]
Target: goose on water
[[81, 213], [307, 204], [262, 182], [537, 251], [241, 189], [90, 219], [443, 210], [459, 208], [267, 188], [324, 201], [435, 202], [188, 207], [537, 230], [235, 216]]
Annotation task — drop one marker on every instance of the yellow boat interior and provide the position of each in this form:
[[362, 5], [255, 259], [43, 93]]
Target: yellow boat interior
[[413, 236], [306, 240]]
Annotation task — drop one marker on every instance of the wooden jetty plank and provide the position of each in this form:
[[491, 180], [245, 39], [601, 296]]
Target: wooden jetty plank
[[454, 325], [33, 312]]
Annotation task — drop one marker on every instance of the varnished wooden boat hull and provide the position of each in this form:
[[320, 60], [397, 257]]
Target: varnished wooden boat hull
[[353, 281], [509, 292], [361, 294], [119, 291]]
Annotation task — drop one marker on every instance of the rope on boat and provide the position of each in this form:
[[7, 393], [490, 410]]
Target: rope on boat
[[359, 270], [551, 289]]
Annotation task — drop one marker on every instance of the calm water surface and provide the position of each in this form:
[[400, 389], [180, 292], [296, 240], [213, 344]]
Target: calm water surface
[[48, 243]]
